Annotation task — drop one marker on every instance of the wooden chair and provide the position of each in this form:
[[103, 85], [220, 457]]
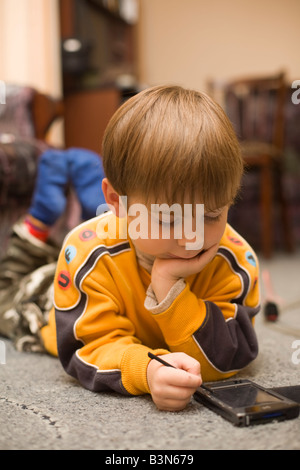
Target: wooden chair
[[255, 107]]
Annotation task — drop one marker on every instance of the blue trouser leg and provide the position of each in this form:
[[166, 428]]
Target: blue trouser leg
[[80, 168], [86, 175], [49, 198]]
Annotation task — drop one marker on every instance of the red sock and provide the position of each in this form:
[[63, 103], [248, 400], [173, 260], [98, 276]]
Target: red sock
[[37, 232]]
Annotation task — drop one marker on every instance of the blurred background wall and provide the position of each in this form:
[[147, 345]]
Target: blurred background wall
[[189, 41], [29, 47], [177, 41]]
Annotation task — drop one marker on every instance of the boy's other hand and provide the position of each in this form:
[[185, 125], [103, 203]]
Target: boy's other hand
[[171, 389], [167, 271]]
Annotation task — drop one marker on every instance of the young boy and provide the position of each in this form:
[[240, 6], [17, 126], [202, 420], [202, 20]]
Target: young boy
[[117, 296]]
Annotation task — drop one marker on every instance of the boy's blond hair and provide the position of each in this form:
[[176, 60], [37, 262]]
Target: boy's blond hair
[[168, 142]]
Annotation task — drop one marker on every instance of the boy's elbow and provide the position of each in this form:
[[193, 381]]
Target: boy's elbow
[[229, 345]]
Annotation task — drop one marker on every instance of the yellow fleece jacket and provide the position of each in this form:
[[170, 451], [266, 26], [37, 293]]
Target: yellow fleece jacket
[[105, 317]]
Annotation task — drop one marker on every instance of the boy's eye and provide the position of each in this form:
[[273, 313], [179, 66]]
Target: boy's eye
[[207, 218], [212, 218], [169, 223], [165, 222]]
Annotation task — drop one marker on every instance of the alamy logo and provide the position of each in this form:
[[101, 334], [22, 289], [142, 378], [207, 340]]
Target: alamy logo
[[157, 223], [296, 94], [2, 353], [2, 92], [296, 354]]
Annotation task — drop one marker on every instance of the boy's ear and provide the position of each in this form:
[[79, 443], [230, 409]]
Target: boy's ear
[[112, 198]]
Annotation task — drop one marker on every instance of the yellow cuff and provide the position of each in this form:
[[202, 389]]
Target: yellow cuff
[[134, 368]]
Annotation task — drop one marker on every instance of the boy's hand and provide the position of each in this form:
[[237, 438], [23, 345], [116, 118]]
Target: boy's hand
[[166, 272], [171, 389]]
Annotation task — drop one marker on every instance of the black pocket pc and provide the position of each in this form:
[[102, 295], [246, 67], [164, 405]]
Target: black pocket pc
[[244, 403]]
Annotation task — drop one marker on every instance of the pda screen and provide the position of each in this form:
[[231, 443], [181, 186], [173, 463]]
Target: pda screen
[[243, 395]]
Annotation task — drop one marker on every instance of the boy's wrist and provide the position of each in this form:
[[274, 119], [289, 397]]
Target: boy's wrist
[[155, 307], [161, 285]]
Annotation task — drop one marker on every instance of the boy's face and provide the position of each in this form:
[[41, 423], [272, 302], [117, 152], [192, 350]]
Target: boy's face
[[171, 239]]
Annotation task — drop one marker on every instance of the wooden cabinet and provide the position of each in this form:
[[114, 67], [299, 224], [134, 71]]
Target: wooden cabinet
[[98, 58], [87, 113]]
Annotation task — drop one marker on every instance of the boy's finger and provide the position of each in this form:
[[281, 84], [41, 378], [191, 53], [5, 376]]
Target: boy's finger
[[175, 393], [173, 404], [182, 378], [193, 368], [187, 363]]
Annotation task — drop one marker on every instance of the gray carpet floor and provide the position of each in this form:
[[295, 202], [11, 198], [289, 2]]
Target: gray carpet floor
[[42, 408]]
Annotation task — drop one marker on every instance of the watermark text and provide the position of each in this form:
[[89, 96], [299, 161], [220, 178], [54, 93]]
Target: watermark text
[[296, 353], [160, 222], [296, 94], [2, 353], [2, 92]]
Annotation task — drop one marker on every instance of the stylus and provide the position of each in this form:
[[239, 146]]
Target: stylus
[[167, 364]]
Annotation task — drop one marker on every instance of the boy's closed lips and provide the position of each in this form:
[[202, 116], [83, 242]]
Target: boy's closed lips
[[187, 256]]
